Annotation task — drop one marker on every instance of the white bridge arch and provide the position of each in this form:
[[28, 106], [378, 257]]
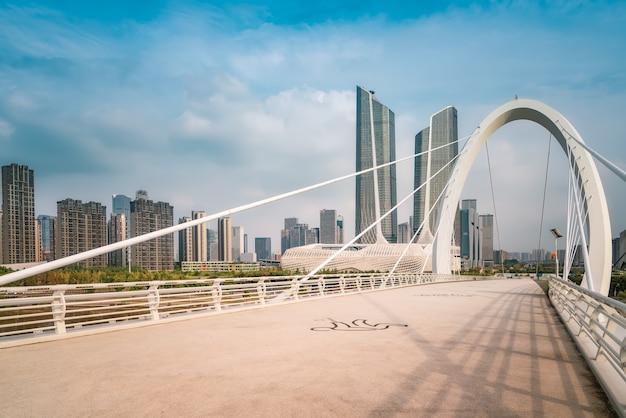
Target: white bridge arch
[[598, 263]]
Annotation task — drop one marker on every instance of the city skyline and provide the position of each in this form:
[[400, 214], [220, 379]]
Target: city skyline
[[102, 100]]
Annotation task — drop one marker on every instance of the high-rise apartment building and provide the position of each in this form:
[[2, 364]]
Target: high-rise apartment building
[[224, 236], [185, 241], [199, 237], [375, 190], [118, 231], [148, 216], [192, 242], [19, 244], [46, 224], [81, 227], [443, 130], [486, 228], [263, 248], [329, 228]]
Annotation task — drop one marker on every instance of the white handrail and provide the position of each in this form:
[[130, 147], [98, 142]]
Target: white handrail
[[34, 312], [598, 326]]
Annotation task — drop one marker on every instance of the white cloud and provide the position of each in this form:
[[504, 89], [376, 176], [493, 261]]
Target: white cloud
[[207, 116], [6, 129]]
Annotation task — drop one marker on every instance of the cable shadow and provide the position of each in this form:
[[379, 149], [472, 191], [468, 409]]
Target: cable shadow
[[512, 350]]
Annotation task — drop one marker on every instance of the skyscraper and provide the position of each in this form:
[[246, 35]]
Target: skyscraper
[[263, 248], [47, 236], [148, 216], [238, 242], [225, 249], [376, 190], [121, 204], [19, 244], [470, 234], [486, 227], [442, 130], [296, 235], [329, 230]]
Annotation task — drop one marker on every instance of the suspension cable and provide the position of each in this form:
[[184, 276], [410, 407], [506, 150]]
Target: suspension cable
[[493, 199], [543, 206], [383, 216]]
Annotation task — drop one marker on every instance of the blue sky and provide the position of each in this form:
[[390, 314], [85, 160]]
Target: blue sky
[[209, 105]]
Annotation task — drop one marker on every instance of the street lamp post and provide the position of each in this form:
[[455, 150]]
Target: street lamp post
[[557, 234]]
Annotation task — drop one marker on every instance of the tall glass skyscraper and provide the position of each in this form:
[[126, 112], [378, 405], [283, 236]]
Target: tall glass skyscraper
[[442, 130], [375, 191]]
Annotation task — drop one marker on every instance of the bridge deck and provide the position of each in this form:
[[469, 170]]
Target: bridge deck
[[493, 348]]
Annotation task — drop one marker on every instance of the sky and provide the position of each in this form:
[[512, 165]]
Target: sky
[[210, 105]]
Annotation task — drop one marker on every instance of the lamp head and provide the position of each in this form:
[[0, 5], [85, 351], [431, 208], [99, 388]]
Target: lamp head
[[556, 233]]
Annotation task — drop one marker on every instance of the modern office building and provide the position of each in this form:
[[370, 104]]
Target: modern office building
[[263, 248], [339, 229], [149, 216], [470, 234], [375, 190], [443, 130], [486, 228], [81, 227], [46, 224], [238, 242], [296, 235], [121, 204], [212, 250], [224, 236], [329, 230], [19, 243], [404, 233]]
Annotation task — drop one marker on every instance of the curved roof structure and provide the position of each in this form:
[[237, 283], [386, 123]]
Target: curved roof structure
[[360, 257]]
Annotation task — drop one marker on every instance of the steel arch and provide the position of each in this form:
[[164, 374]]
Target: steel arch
[[592, 191]]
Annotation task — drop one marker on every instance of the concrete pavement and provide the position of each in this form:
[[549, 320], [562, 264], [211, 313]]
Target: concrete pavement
[[485, 349]]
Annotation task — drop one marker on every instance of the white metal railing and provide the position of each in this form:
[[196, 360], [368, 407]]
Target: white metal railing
[[598, 326], [42, 311]]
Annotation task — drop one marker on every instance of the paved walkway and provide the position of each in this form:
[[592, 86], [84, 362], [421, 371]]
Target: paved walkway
[[470, 349]]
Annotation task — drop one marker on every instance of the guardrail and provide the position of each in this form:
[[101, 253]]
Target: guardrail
[[48, 312], [598, 326]]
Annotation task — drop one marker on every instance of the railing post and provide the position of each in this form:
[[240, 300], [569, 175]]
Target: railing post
[[216, 291], [295, 286], [58, 311], [342, 284], [261, 289], [153, 301]]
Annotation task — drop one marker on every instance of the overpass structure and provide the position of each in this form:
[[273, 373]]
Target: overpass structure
[[596, 324]]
